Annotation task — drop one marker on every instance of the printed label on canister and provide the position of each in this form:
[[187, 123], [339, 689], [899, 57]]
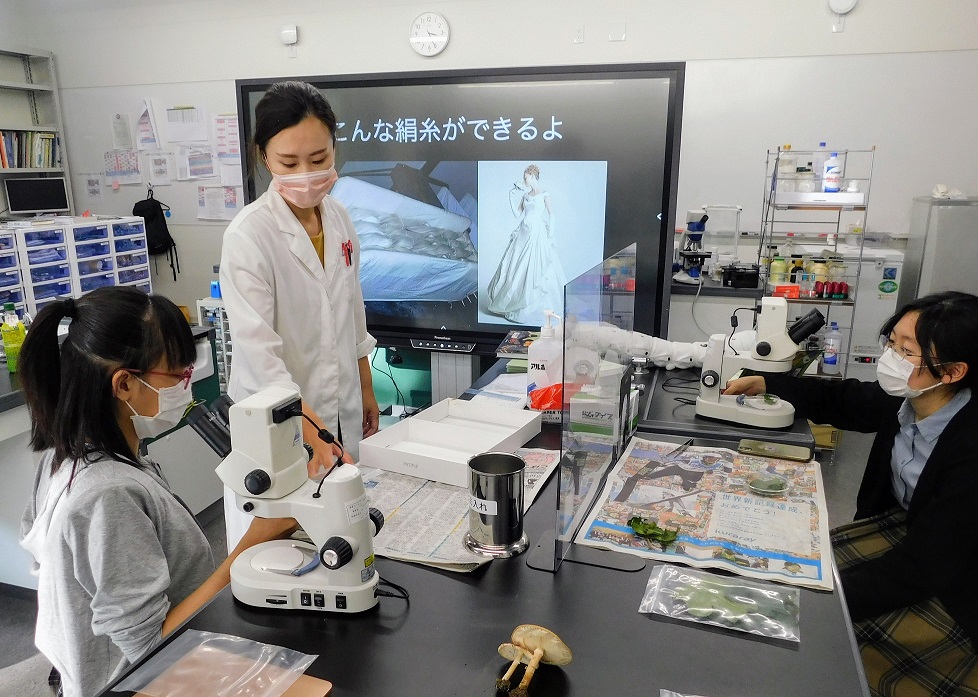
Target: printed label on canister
[[482, 506]]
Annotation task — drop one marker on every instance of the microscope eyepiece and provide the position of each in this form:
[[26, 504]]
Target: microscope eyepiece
[[806, 326]]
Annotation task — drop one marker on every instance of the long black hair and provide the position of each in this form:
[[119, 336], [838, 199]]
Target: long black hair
[[69, 388], [284, 105], [947, 332]]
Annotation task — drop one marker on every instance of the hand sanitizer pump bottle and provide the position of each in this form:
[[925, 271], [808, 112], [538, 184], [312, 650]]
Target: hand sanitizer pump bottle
[[545, 357]]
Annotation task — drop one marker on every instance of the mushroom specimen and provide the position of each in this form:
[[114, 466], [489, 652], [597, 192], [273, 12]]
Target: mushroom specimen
[[515, 654], [542, 645]]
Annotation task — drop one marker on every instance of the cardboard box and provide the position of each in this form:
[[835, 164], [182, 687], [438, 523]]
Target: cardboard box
[[437, 443], [826, 437], [786, 290], [599, 414], [514, 426]]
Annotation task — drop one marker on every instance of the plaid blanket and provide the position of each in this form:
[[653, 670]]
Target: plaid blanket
[[917, 651]]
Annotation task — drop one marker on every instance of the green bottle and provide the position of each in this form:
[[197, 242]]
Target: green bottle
[[13, 334]]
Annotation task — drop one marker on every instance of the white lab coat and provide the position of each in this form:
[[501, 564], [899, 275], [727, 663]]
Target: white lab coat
[[293, 322]]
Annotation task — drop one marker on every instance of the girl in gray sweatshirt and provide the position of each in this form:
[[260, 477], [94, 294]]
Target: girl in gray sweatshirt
[[120, 559]]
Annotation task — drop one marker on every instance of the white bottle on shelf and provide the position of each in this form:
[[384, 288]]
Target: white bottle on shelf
[[787, 165], [832, 174], [830, 354], [545, 357], [818, 164]]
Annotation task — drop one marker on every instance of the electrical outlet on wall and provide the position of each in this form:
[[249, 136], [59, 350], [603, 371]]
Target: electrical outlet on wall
[[579, 34]]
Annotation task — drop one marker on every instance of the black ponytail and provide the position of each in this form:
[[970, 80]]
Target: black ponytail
[[40, 372], [69, 389]]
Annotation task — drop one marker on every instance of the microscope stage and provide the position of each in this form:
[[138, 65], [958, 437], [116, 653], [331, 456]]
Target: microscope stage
[[260, 577]]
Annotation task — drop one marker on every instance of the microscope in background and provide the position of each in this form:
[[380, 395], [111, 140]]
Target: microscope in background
[[691, 254], [773, 351], [260, 439]]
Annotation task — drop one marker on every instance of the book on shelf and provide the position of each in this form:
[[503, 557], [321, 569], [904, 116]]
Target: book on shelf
[[29, 149], [516, 344]]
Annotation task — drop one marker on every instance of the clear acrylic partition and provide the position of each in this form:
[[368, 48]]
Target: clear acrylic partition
[[598, 310]]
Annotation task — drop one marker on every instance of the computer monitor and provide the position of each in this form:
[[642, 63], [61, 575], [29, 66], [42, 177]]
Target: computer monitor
[[36, 195], [435, 170]]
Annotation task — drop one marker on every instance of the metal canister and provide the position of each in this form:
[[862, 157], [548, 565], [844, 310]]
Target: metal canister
[[496, 505]]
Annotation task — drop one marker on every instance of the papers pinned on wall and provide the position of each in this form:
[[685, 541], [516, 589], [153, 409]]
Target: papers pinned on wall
[[186, 123], [218, 202], [160, 168], [122, 167], [195, 163], [91, 183], [121, 132], [147, 135], [226, 140]]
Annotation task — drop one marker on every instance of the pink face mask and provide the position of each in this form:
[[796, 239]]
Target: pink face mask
[[305, 189]]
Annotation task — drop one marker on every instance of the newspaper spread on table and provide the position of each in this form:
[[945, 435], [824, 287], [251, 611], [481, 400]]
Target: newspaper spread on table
[[426, 521], [705, 494]]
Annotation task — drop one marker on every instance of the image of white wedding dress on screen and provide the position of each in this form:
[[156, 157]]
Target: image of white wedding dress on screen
[[530, 277]]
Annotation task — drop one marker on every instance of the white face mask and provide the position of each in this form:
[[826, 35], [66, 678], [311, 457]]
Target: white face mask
[[892, 373], [173, 404]]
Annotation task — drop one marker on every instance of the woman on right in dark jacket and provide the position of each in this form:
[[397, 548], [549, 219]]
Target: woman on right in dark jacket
[[909, 563]]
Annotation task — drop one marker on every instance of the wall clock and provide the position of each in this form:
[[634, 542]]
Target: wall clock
[[429, 34]]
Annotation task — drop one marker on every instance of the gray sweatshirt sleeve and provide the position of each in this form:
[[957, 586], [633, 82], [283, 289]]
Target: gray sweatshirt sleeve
[[119, 560]]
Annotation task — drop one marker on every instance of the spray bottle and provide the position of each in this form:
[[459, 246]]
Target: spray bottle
[[545, 358], [13, 336]]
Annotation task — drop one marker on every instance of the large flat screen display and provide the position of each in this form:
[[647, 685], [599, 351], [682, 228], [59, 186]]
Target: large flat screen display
[[477, 194]]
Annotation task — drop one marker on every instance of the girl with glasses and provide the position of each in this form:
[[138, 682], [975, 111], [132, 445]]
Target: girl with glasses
[[909, 563], [120, 559]]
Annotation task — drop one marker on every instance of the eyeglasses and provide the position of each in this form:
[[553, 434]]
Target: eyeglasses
[[888, 343], [185, 375]]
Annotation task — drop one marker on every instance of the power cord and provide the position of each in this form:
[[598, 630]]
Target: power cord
[[389, 373], [414, 411], [398, 591], [692, 308], [733, 327], [678, 384], [326, 437]]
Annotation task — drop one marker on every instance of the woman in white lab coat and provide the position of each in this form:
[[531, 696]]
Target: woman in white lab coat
[[290, 281]]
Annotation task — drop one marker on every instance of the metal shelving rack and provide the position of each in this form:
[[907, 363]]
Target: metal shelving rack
[[211, 313], [30, 103], [819, 220]]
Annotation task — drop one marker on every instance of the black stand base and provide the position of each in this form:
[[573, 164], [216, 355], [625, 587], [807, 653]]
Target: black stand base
[[542, 557]]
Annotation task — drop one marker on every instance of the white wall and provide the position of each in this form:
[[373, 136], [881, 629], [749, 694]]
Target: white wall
[[759, 73], [13, 23]]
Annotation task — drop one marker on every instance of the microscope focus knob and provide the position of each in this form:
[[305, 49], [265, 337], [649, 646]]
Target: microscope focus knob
[[378, 520], [336, 552], [257, 482], [710, 378], [763, 348]]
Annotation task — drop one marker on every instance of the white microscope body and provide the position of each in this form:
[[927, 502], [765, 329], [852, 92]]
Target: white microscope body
[[773, 351], [266, 470], [771, 347]]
